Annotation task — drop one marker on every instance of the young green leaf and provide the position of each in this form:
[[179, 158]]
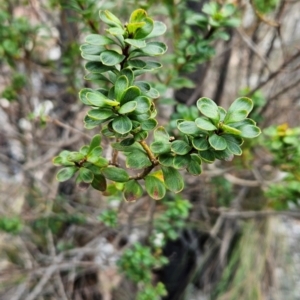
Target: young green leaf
[[110, 19]]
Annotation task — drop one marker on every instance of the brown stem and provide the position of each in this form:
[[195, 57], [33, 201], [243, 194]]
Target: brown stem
[[149, 152]]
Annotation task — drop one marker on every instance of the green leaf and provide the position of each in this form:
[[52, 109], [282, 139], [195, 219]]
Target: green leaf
[[207, 156], [234, 148], [166, 159], [231, 130], [97, 67], [152, 65], [135, 43], [180, 147], [87, 49], [129, 74], [143, 104], [97, 77], [155, 187], [160, 134], [200, 143], [75, 157], [90, 57], [109, 18], [96, 99], [132, 190], [86, 175], [95, 142], [99, 182], [127, 107], [205, 124], [95, 153], [121, 85], [155, 48], [209, 108], [66, 173], [240, 107], [160, 147], [182, 82], [111, 57], [90, 123], [217, 142], [235, 116], [137, 63], [130, 94], [222, 113], [118, 32], [100, 114], [84, 150], [233, 139], [127, 142], [188, 127], [122, 124], [137, 159], [83, 97], [159, 28], [194, 166], [115, 174], [140, 136], [99, 40], [181, 161], [149, 124], [249, 131], [57, 161], [173, 179], [138, 15], [242, 103], [145, 30], [133, 27], [98, 161]]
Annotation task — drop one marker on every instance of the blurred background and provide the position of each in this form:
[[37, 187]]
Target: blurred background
[[232, 234]]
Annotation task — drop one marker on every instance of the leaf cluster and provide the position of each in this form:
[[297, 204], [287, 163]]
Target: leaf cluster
[[124, 109]]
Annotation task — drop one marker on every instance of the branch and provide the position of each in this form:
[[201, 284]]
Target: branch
[[255, 214]]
